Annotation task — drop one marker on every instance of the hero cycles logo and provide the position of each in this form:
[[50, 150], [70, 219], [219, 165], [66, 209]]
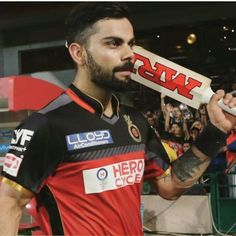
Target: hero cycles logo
[[127, 173], [172, 82], [124, 173], [113, 176]]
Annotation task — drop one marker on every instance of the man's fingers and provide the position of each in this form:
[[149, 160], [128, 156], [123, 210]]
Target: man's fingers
[[232, 102], [228, 98], [213, 104], [218, 95]]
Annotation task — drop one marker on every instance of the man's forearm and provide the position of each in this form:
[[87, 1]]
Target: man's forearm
[[191, 165], [10, 215]]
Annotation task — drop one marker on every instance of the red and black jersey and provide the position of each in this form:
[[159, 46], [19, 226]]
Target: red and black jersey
[[85, 169]]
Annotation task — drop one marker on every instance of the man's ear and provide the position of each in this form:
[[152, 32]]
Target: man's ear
[[78, 53]]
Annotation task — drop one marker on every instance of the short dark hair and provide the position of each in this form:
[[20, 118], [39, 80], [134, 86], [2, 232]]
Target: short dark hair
[[82, 17]]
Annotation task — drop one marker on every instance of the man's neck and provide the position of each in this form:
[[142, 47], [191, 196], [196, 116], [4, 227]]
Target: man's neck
[[96, 92]]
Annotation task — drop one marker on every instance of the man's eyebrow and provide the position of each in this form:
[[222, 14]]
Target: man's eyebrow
[[113, 37], [131, 41]]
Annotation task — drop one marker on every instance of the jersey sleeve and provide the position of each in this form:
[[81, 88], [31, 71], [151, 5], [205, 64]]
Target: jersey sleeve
[[33, 153], [157, 162]]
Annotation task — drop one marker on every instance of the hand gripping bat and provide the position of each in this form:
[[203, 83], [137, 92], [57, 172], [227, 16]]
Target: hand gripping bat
[[173, 80]]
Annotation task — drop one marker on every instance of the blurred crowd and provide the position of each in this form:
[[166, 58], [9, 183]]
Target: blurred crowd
[[178, 126]]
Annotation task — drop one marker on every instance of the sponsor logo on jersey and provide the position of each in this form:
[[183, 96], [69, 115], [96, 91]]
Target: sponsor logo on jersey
[[102, 174], [133, 129], [113, 176], [12, 164], [21, 136], [18, 149], [88, 139]]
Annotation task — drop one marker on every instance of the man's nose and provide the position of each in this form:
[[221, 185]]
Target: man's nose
[[128, 53]]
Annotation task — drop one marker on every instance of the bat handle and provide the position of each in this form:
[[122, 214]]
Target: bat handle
[[207, 96]]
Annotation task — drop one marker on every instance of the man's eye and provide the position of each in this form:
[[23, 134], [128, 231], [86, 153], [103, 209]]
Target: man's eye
[[132, 44], [113, 43]]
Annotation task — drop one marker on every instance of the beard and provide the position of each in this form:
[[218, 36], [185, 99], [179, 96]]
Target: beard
[[106, 79]]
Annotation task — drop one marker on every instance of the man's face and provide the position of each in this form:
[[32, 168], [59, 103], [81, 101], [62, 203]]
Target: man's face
[[151, 121], [109, 53], [176, 112], [175, 129]]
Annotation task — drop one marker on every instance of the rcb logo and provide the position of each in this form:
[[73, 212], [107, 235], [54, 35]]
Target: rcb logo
[[133, 129]]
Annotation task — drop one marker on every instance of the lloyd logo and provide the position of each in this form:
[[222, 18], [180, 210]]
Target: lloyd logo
[[22, 135], [166, 77], [88, 139]]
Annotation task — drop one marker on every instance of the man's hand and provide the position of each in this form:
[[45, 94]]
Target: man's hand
[[222, 120]]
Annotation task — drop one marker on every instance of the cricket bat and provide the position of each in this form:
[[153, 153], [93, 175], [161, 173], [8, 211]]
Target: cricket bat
[[173, 80]]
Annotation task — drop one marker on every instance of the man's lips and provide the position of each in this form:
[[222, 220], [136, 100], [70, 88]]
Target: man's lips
[[126, 69], [124, 72]]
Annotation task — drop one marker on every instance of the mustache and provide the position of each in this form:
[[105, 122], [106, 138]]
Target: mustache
[[128, 66]]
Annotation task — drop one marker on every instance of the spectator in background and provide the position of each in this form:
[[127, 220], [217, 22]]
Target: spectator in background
[[176, 132], [194, 133], [176, 114], [171, 112], [167, 116], [153, 122], [186, 145], [174, 138], [202, 116], [197, 124], [160, 120], [231, 151]]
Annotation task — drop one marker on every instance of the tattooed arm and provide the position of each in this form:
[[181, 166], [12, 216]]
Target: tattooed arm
[[191, 165], [185, 172]]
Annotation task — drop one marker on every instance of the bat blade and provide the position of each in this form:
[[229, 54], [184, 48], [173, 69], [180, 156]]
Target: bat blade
[[173, 80]]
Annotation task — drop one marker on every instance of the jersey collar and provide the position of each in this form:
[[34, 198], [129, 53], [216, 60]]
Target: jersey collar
[[94, 103]]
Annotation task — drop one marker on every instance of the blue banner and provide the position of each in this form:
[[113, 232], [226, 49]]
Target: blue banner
[[4, 147]]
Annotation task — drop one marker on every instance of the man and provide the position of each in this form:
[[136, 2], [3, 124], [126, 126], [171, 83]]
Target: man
[[83, 156]]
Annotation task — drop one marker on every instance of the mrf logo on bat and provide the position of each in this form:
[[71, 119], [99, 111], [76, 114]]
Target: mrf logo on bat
[[165, 76], [173, 80]]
